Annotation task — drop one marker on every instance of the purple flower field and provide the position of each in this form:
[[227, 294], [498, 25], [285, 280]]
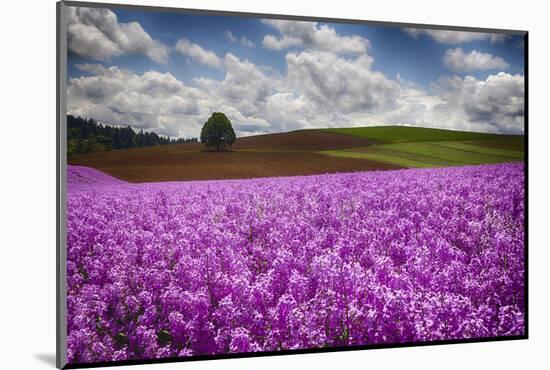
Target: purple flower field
[[210, 267], [81, 177]]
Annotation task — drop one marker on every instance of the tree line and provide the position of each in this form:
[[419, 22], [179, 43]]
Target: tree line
[[86, 135]]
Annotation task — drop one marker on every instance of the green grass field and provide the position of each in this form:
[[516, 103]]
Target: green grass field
[[424, 147], [404, 134]]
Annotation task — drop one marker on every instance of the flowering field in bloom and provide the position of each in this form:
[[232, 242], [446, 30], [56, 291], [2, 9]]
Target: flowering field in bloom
[[81, 177], [210, 267]]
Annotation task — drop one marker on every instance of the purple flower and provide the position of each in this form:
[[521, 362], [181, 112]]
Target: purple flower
[[206, 267]]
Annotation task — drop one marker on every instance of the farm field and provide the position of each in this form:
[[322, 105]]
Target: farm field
[[308, 152], [176, 163], [423, 147], [404, 134], [210, 267]]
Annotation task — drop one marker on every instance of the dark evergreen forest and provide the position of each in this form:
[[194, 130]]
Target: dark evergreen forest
[[86, 135]]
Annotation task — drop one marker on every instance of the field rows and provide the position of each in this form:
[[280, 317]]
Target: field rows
[[308, 152], [433, 154]]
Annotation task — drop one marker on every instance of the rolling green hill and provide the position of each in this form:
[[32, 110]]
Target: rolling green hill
[[306, 152], [403, 134], [425, 147]]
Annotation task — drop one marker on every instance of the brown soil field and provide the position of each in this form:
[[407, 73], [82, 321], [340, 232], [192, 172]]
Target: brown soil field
[[286, 154], [146, 165], [302, 140]]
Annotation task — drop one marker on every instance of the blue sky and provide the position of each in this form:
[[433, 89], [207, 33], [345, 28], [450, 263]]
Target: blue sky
[[412, 77]]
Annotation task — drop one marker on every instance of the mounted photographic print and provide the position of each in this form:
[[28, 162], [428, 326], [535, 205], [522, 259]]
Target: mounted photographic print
[[235, 184]]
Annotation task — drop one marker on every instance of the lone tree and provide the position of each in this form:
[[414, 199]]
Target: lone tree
[[217, 132]]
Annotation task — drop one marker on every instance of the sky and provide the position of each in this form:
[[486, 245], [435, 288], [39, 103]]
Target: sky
[[168, 72]]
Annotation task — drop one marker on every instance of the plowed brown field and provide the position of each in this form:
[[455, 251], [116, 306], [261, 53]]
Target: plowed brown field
[[303, 140], [286, 154]]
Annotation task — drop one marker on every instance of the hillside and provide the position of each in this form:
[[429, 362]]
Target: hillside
[[401, 134], [286, 154], [425, 147], [306, 152], [303, 140]]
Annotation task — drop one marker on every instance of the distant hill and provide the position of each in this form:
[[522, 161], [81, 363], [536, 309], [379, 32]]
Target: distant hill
[[88, 136], [426, 147], [302, 140], [306, 152], [405, 134]]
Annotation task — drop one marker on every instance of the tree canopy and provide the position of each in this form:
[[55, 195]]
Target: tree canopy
[[87, 136], [217, 132]]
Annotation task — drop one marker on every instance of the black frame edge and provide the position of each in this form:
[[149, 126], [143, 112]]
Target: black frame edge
[[289, 17], [288, 352], [61, 165], [57, 192], [526, 174]]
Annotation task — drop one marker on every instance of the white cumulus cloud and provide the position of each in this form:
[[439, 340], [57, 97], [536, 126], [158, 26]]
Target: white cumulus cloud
[[96, 33], [319, 89], [339, 84], [459, 61], [311, 35], [495, 104], [197, 53], [152, 100], [455, 37], [239, 40]]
